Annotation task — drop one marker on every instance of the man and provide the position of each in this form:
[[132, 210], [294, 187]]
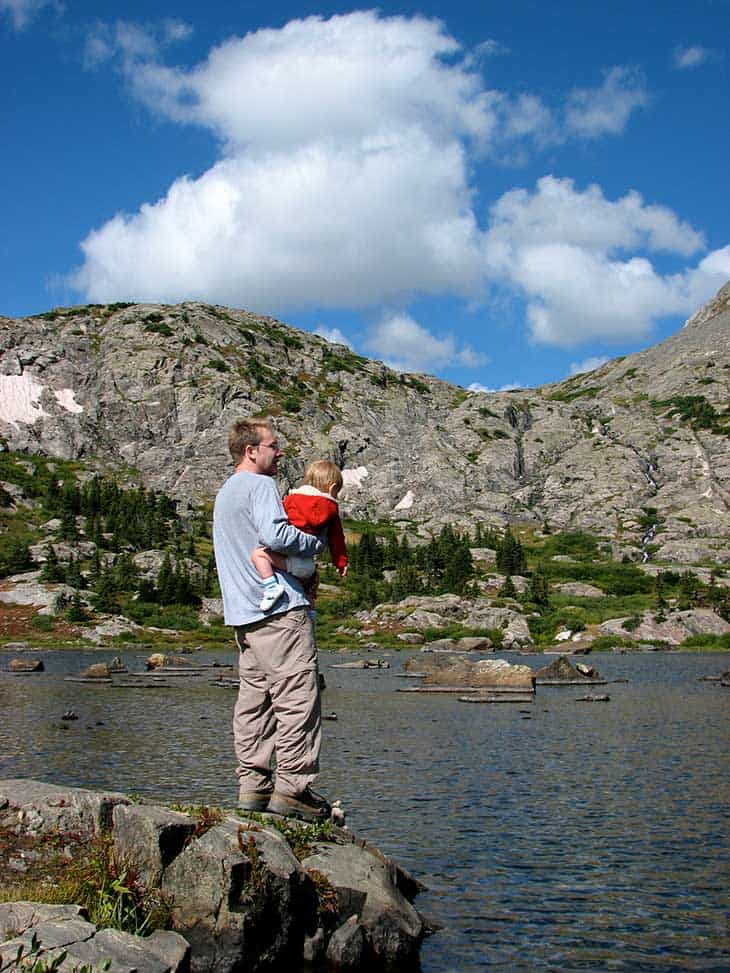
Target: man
[[277, 712]]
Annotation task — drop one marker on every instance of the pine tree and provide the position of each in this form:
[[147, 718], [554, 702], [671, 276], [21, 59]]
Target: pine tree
[[538, 591], [508, 589], [52, 569]]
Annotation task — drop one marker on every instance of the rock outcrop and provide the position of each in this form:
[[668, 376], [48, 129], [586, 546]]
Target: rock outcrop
[[445, 669], [242, 893], [637, 450]]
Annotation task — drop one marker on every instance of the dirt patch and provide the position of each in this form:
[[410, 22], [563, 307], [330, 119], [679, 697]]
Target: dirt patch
[[16, 624]]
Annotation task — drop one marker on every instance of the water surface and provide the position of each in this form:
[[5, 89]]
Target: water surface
[[556, 836]]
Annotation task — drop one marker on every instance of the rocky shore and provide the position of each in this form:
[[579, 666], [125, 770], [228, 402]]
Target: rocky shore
[[236, 891]]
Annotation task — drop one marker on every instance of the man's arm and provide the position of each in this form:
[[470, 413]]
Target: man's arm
[[273, 527]]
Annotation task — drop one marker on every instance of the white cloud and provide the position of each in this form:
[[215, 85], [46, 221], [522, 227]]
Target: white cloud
[[408, 347], [344, 180], [333, 335], [507, 387], [588, 364], [592, 112], [134, 44], [347, 149], [21, 12], [569, 253], [691, 57]]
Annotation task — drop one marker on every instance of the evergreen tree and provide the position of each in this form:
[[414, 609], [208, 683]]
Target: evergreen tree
[[52, 569], [510, 555], [508, 589], [106, 598], [76, 611], [538, 591], [166, 583]]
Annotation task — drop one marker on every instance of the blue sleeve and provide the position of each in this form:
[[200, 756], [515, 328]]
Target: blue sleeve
[[273, 527]]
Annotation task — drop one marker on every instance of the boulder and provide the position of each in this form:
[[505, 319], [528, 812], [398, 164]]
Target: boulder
[[62, 929], [26, 665], [467, 644], [99, 670], [347, 947], [158, 661], [366, 886], [34, 593], [562, 670], [411, 638], [38, 808], [239, 896], [458, 670], [576, 589], [109, 628], [148, 838], [673, 629]]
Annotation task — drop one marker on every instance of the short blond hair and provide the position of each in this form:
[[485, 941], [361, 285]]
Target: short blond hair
[[246, 432], [323, 475]]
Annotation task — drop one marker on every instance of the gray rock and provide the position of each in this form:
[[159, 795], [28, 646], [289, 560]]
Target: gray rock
[[467, 644], [238, 895], [442, 669], [85, 945], [17, 917], [347, 947], [576, 589], [39, 808], [26, 665], [148, 838], [366, 886], [590, 453], [673, 629]]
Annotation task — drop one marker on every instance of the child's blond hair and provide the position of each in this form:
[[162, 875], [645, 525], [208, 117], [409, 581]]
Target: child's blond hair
[[323, 475]]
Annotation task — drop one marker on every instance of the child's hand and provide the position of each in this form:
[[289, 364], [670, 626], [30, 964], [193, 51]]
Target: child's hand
[[342, 571]]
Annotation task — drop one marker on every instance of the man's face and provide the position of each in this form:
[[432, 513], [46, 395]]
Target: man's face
[[267, 454]]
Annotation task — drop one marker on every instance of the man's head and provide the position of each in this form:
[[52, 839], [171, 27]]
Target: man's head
[[254, 447]]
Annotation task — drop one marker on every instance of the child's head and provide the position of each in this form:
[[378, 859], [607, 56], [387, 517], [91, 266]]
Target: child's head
[[324, 476]]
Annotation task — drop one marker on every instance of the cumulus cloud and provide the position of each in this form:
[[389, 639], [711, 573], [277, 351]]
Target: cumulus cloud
[[691, 57], [21, 12], [569, 253], [333, 335], [592, 112], [345, 179], [408, 347], [588, 364]]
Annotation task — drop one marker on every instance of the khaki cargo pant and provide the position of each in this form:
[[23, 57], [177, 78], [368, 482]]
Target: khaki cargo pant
[[277, 713]]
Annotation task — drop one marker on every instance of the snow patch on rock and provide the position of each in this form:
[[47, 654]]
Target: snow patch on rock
[[66, 398], [352, 479], [20, 399]]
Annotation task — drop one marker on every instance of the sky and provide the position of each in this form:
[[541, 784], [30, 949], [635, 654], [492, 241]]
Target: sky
[[501, 195]]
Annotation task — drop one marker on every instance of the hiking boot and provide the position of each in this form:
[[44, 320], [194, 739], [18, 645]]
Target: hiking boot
[[306, 806], [271, 596], [254, 800]]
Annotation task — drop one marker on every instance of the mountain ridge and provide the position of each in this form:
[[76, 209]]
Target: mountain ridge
[[637, 450]]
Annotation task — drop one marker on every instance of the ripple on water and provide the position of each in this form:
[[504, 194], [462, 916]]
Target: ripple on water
[[586, 838]]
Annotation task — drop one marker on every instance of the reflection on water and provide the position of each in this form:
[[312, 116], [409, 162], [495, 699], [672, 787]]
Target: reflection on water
[[554, 836]]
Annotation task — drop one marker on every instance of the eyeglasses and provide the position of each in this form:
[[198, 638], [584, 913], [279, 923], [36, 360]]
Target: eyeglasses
[[273, 445]]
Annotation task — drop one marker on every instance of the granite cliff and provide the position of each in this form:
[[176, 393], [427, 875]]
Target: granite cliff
[[637, 450]]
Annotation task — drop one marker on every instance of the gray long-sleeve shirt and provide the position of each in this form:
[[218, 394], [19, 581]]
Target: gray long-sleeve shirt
[[248, 513]]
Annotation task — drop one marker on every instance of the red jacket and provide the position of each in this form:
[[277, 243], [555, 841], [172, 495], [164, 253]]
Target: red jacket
[[313, 511]]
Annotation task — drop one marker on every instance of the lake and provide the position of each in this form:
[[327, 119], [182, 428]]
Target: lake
[[552, 836]]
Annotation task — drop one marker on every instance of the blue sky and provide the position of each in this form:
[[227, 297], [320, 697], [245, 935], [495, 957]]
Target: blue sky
[[498, 194]]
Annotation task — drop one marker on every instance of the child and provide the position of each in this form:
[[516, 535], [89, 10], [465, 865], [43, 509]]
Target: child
[[312, 508]]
